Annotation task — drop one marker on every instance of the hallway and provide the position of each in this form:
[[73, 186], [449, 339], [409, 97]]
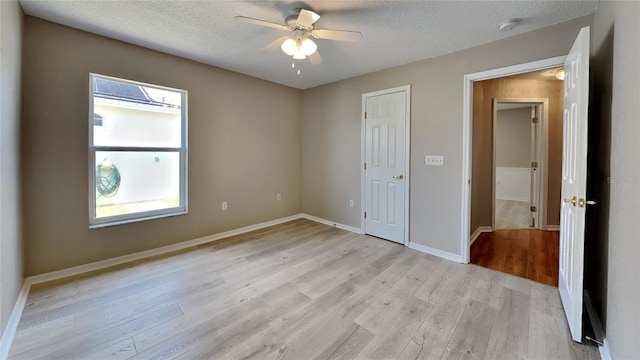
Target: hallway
[[531, 254]]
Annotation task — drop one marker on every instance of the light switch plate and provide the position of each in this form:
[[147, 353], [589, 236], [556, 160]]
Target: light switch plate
[[434, 160]]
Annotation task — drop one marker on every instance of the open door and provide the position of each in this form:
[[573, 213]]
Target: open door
[[574, 182]]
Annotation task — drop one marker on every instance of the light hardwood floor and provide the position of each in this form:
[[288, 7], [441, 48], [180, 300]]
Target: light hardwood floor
[[299, 290]]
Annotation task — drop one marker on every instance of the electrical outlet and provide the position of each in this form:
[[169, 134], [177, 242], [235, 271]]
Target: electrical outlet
[[350, 203], [434, 160], [278, 197], [224, 206]]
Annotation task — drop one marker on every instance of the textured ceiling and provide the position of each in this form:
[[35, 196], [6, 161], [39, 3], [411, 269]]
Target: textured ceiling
[[394, 32]]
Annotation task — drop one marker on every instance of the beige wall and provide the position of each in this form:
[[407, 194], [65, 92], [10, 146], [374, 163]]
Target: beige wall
[[513, 138], [483, 137], [244, 147], [11, 259], [612, 265], [331, 132]]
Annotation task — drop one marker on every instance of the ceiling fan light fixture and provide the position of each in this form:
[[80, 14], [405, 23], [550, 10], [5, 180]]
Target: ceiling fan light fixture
[[307, 46], [300, 26], [289, 46], [299, 48]]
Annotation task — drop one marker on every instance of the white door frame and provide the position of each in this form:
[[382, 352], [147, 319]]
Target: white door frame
[[407, 160], [467, 130], [542, 151]]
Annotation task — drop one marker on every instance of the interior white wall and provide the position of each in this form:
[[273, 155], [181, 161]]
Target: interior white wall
[[513, 183]]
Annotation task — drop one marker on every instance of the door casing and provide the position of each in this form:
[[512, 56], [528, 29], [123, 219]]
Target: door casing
[[467, 130], [407, 172]]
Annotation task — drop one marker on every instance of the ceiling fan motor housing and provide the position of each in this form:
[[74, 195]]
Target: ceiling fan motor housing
[[292, 21]]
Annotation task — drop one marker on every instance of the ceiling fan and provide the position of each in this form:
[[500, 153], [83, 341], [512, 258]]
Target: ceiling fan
[[300, 26]]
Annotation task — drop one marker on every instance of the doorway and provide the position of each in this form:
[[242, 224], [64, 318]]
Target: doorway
[[575, 92], [516, 174], [385, 172], [519, 163], [467, 232]]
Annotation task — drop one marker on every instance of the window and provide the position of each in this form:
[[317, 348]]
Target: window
[[138, 164]]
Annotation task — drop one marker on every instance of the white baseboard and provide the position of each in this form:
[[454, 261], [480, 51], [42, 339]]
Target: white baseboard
[[553, 227], [439, 253], [332, 223], [12, 326], [102, 264], [605, 354], [479, 230], [411, 245], [14, 320]]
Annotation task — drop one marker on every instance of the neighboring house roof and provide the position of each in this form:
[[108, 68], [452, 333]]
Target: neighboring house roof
[[124, 92]]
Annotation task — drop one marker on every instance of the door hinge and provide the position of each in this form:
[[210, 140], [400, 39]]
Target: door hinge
[[365, 214], [365, 115], [365, 166], [534, 120], [533, 209], [534, 164]]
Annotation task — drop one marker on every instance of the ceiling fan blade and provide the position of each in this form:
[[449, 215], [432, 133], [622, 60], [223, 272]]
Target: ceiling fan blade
[[315, 58], [307, 18], [274, 45], [342, 35], [263, 23]]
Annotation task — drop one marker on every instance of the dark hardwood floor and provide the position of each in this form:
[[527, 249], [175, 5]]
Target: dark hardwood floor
[[531, 254]]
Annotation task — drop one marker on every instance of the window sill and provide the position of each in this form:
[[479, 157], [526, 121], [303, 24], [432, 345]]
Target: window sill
[[137, 219]]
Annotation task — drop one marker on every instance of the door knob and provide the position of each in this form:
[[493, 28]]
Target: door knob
[[573, 201], [399, 177], [583, 202]]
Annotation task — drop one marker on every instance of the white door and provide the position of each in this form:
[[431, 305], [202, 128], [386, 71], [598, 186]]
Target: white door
[[574, 181], [385, 167]]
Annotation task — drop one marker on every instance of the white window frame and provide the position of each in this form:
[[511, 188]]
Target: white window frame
[[182, 150]]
